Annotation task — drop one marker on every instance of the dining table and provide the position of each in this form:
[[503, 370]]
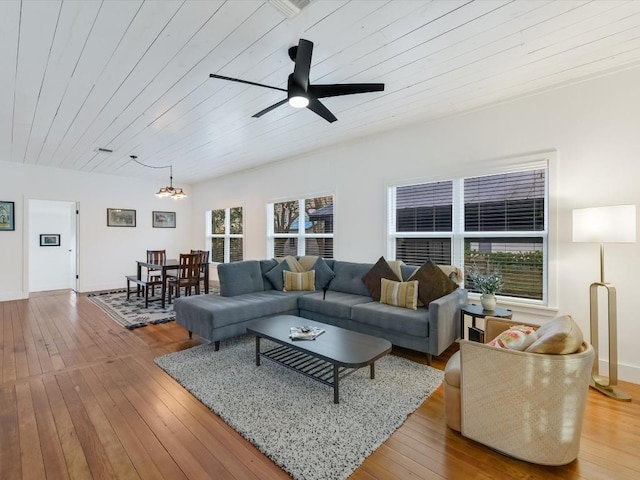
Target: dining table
[[170, 264]]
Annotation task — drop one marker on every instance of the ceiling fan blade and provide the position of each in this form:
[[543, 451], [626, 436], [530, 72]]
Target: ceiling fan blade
[[303, 63], [268, 109], [213, 75], [317, 107], [335, 90]]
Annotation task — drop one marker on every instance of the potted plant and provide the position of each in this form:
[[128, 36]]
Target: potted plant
[[488, 284]]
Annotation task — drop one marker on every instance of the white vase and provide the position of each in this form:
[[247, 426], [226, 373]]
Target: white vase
[[488, 301]]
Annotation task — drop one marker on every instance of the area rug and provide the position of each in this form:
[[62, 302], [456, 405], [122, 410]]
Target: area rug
[[132, 313], [291, 418]]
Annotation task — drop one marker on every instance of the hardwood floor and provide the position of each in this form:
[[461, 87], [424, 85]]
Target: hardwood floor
[[80, 397]]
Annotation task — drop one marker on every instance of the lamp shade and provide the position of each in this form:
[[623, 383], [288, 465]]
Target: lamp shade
[[615, 224]]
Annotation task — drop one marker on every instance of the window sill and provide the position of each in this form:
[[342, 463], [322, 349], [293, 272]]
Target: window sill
[[521, 306]]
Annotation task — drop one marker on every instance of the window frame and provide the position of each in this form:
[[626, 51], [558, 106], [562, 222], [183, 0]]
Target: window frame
[[544, 160], [301, 235], [227, 235]]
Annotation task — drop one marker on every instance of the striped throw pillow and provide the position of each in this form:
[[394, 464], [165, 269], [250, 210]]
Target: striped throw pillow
[[294, 281], [400, 294]]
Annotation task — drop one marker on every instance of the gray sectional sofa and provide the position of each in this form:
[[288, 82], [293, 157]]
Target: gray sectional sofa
[[246, 294]]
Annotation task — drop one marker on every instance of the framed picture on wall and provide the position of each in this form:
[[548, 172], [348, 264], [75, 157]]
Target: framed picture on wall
[[119, 217], [164, 219], [49, 240], [7, 216]]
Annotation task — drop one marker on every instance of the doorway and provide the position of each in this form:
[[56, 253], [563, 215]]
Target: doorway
[[53, 242]]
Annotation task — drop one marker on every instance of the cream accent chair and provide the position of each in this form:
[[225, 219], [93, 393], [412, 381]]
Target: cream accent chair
[[526, 405]]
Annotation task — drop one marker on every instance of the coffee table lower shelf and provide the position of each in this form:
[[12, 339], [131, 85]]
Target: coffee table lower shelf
[[316, 368]]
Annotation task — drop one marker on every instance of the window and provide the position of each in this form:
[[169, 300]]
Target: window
[[288, 235], [225, 227], [494, 221]]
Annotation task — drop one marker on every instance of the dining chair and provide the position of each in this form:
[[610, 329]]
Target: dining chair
[[188, 275], [153, 274], [204, 265]]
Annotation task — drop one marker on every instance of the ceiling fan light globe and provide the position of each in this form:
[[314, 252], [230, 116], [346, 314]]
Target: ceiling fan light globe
[[299, 102]]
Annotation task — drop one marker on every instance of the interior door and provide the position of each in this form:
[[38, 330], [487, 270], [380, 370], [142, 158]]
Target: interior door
[[52, 240]]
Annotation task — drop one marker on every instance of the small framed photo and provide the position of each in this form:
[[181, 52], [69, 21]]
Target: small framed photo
[[119, 217], [49, 240], [7, 216], [164, 219]]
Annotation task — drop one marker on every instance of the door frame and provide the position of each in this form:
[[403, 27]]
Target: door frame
[[75, 229]]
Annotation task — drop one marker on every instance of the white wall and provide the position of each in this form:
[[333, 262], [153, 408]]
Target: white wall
[[106, 254], [593, 127]]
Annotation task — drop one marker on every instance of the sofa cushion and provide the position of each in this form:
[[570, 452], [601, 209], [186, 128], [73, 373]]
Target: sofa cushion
[[558, 336], [407, 271], [348, 278], [335, 304], [299, 281], [221, 311], [432, 282], [238, 278], [372, 279], [518, 337], [276, 277], [388, 317], [324, 273], [399, 294]]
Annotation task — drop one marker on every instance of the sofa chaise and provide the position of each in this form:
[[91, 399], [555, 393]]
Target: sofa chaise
[[247, 293]]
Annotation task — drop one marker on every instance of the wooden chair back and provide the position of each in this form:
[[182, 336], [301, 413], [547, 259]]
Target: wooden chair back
[[156, 256], [188, 275], [154, 274], [204, 258], [190, 266]]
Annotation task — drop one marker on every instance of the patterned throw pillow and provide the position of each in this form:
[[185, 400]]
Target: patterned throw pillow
[[294, 281], [399, 294], [518, 337]]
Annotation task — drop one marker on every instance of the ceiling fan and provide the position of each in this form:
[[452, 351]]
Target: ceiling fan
[[300, 93]]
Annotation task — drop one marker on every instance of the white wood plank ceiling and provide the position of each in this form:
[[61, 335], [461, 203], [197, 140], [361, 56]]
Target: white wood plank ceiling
[[133, 76]]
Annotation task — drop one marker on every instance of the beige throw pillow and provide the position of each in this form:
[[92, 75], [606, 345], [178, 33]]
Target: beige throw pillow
[[396, 266], [297, 281], [559, 336], [399, 294]]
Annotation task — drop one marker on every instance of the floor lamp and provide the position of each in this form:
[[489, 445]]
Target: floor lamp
[[616, 224]]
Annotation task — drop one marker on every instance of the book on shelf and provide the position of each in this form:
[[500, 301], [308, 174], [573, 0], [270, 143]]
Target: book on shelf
[[305, 333]]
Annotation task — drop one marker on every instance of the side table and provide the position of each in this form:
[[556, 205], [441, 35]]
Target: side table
[[476, 311]]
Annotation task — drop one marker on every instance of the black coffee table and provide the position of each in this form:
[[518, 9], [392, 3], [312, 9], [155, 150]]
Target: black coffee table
[[329, 358]]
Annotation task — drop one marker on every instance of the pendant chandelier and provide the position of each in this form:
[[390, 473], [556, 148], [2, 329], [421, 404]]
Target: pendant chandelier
[[170, 191]]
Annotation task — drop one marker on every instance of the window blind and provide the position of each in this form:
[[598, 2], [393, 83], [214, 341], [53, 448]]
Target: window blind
[[490, 222]]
